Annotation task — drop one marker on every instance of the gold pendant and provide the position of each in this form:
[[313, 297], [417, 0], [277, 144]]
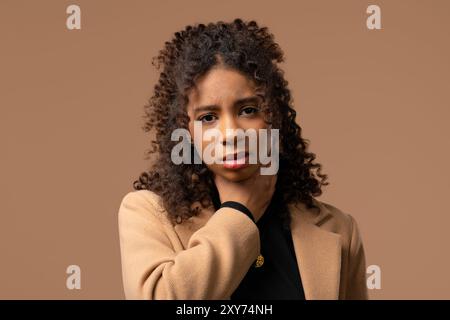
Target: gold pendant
[[259, 261]]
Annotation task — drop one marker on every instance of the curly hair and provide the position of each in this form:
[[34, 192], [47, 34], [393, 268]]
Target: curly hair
[[251, 50]]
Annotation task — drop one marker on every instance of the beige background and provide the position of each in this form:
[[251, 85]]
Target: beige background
[[375, 105]]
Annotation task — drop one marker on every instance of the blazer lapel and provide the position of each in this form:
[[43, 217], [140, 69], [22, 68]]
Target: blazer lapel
[[318, 252]]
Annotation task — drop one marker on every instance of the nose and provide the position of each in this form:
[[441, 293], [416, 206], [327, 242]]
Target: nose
[[230, 123]]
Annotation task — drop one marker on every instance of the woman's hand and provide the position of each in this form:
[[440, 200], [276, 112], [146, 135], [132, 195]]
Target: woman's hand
[[255, 192]]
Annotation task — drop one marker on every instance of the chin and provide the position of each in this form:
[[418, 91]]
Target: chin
[[237, 175]]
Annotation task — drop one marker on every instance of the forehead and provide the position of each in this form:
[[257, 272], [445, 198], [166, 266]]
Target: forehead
[[221, 85]]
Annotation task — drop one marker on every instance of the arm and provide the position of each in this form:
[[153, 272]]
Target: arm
[[215, 261], [356, 287]]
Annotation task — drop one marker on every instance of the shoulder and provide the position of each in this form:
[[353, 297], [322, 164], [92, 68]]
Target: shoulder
[[143, 205], [334, 219], [142, 197]]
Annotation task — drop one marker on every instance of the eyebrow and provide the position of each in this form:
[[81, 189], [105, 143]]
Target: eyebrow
[[215, 107]]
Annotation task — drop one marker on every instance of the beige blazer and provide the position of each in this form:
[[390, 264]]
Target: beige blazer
[[207, 256]]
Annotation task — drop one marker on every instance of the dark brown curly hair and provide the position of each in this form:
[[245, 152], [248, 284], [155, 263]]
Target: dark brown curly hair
[[251, 50]]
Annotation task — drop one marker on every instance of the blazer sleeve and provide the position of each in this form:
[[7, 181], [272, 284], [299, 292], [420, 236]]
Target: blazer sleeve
[[356, 286], [215, 261]]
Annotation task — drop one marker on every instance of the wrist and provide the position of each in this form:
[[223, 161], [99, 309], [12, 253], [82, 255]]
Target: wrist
[[240, 207]]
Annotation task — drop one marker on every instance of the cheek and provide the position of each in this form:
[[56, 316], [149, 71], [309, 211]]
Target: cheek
[[256, 124]]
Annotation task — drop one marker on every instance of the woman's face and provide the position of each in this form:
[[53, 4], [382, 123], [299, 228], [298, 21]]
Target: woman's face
[[225, 99]]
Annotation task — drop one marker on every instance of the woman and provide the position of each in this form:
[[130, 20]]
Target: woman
[[212, 230]]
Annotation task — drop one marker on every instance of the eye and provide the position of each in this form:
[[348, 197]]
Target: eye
[[207, 118], [246, 111]]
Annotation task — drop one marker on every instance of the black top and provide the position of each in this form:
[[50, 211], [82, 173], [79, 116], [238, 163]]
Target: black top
[[278, 277]]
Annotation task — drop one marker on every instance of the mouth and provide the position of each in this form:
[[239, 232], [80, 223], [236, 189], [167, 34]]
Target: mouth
[[236, 160]]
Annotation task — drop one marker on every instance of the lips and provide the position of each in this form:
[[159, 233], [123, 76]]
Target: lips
[[237, 160], [235, 156]]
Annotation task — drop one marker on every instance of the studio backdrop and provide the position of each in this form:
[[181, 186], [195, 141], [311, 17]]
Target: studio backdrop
[[371, 86]]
